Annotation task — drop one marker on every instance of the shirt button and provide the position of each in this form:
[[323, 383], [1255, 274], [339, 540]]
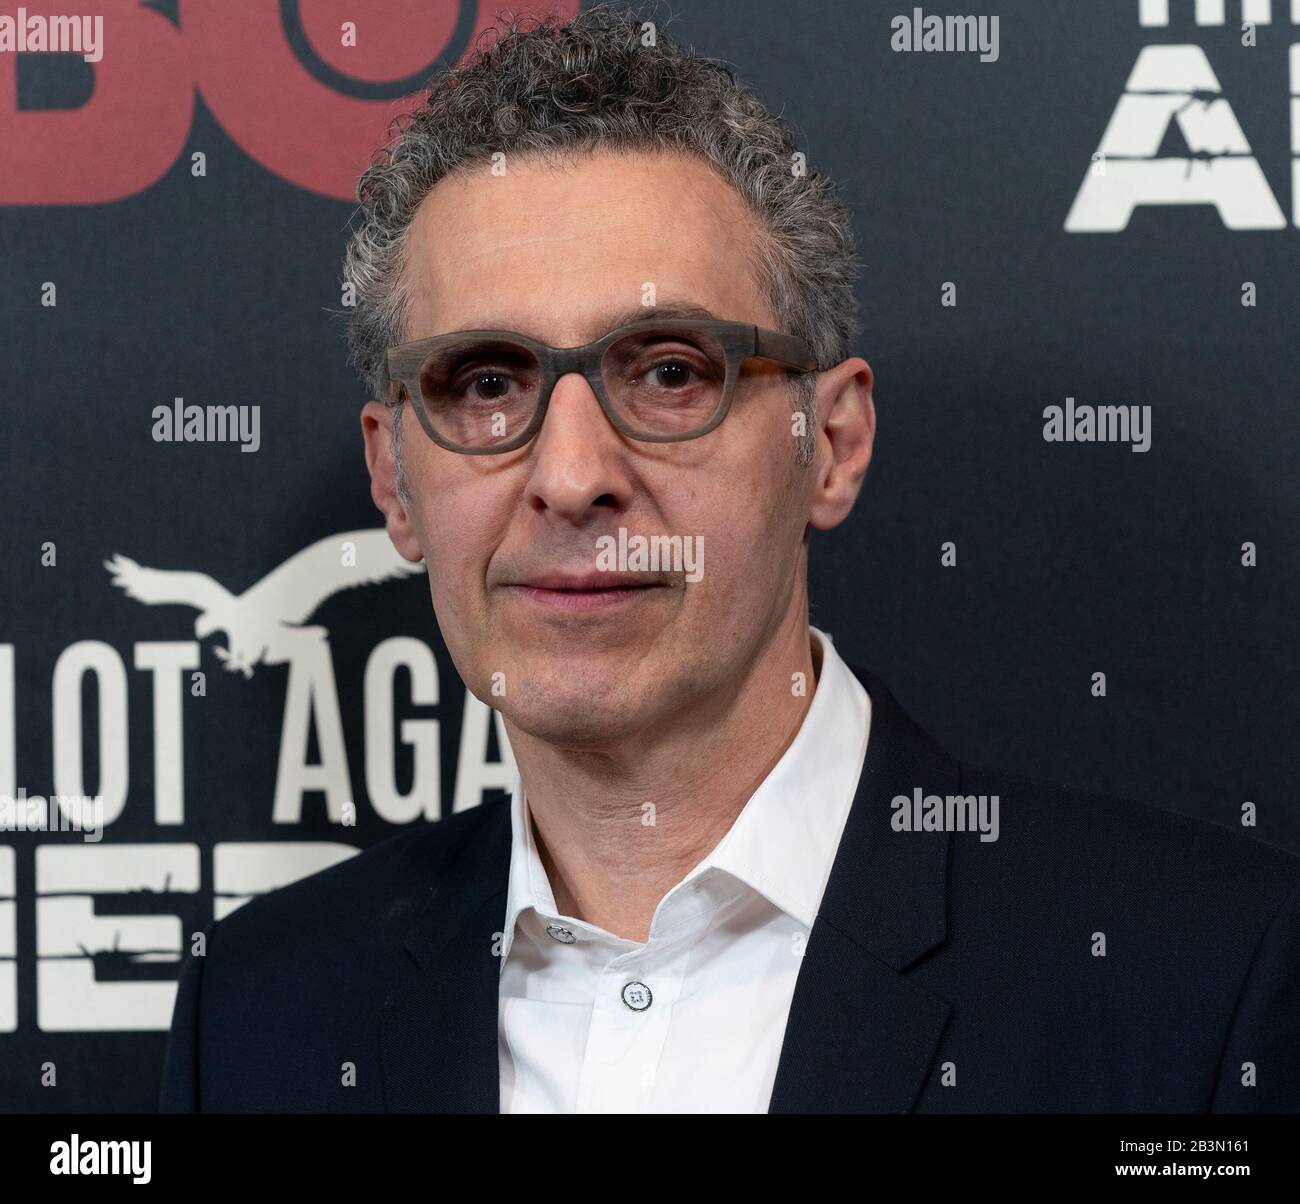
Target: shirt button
[[637, 996], [563, 935]]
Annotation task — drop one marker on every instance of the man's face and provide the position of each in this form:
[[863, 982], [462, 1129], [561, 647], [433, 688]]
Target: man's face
[[558, 255]]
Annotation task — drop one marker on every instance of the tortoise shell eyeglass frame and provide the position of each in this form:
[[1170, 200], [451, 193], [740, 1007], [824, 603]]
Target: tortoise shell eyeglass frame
[[739, 340]]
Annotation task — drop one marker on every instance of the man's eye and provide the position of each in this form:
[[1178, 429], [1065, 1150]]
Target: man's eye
[[488, 386], [673, 374]]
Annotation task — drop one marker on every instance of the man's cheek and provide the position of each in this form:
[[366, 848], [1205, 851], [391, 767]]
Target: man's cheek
[[712, 570]]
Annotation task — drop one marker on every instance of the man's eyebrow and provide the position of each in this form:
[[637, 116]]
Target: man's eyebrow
[[636, 313], [669, 309]]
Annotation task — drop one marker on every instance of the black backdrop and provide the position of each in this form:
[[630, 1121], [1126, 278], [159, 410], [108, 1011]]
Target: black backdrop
[[1072, 558]]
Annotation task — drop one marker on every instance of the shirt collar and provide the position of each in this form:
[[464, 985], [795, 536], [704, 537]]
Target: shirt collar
[[783, 842]]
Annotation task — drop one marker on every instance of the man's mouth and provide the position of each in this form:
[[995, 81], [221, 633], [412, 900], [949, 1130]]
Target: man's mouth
[[584, 592]]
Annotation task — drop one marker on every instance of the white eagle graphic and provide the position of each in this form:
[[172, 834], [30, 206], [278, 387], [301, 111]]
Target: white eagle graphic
[[263, 625]]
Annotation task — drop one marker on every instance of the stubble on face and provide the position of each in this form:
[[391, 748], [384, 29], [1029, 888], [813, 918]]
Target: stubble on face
[[552, 253]]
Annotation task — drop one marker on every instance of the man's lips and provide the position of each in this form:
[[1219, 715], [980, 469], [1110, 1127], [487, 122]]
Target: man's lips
[[587, 582], [583, 591]]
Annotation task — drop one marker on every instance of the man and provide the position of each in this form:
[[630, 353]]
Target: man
[[733, 875]]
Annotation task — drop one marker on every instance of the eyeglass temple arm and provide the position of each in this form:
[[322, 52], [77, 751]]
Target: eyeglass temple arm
[[787, 349], [389, 387]]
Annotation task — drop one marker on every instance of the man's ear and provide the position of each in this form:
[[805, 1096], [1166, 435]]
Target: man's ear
[[377, 430], [846, 431]]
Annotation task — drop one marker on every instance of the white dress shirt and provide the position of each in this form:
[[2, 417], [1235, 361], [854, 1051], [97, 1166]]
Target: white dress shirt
[[692, 1020]]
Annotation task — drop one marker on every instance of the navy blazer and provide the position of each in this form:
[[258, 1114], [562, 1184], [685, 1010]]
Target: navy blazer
[[942, 974]]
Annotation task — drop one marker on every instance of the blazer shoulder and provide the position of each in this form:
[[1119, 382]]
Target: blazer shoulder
[[354, 899], [1124, 842]]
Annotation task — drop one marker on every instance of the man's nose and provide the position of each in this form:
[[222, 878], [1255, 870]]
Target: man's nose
[[579, 459]]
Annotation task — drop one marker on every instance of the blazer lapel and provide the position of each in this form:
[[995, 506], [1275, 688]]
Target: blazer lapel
[[861, 1034], [438, 1029]]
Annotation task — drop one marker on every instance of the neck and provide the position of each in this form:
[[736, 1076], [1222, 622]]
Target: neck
[[616, 831]]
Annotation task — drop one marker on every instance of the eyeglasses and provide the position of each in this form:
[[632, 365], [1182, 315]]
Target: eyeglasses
[[482, 392]]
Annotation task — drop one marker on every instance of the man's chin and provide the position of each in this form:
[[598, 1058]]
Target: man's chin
[[569, 699], [572, 729]]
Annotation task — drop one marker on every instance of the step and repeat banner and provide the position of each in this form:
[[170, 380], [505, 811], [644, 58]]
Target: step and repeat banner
[[1075, 557]]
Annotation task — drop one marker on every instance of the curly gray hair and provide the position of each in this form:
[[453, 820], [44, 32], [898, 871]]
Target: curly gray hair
[[606, 80]]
